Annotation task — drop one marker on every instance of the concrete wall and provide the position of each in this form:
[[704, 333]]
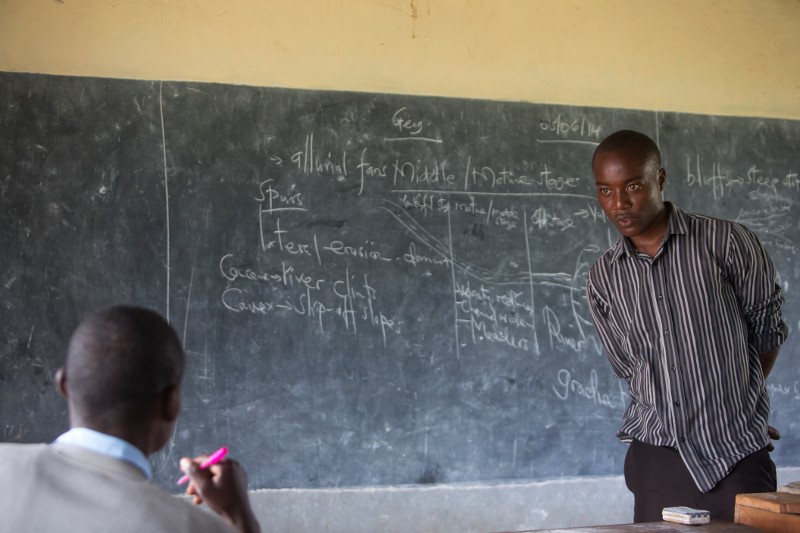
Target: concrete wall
[[464, 508], [737, 57]]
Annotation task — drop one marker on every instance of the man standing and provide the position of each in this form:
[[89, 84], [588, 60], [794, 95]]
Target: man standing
[[689, 314], [121, 380]]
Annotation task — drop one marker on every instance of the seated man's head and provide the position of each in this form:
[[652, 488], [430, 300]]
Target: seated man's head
[[122, 376]]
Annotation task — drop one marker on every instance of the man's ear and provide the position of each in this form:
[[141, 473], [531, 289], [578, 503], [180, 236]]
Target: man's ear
[[60, 382], [171, 405]]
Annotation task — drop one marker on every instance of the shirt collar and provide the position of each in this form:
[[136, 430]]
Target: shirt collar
[[107, 445], [677, 225]]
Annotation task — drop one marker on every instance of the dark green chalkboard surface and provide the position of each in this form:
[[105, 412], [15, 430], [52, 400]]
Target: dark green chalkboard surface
[[371, 289]]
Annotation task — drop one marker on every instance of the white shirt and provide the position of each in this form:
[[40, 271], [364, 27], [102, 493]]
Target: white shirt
[[108, 445]]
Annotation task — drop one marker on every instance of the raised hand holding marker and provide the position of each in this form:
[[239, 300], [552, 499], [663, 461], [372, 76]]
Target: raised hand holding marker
[[213, 459]]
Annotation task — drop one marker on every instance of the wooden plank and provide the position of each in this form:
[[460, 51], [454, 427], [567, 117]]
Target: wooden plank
[[767, 521], [658, 527], [775, 502]]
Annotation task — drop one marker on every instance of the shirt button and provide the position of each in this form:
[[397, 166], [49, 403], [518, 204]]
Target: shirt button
[[683, 439], [660, 297], [677, 404], [674, 367]]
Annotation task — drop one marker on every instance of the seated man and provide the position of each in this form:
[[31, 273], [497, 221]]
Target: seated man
[[121, 380]]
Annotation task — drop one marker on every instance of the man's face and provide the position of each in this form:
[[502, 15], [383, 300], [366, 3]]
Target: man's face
[[629, 189]]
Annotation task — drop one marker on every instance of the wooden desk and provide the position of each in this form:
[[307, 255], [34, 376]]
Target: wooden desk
[[772, 512], [658, 527]]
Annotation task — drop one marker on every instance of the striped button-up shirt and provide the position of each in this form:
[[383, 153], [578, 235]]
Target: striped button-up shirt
[[685, 329]]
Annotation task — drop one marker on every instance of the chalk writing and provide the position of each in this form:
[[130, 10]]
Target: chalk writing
[[369, 170], [477, 177], [425, 202], [363, 251], [276, 201], [410, 173], [386, 288], [14, 432], [722, 178], [591, 211], [555, 334], [286, 276], [410, 129], [492, 308], [415, 259], [542, 220], [492, 316], [309, 161], [580, 127], [567, 385], [307, 296], [406, 125], [282, 243], [791, 391], [775, 218]]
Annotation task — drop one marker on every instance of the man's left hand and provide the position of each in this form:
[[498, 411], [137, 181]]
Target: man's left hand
[[773, 434]]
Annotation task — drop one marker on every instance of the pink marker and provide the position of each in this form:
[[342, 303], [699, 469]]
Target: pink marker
[[213, 459]]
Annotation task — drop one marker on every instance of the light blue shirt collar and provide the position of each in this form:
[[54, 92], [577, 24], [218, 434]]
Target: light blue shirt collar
[[108, 445]]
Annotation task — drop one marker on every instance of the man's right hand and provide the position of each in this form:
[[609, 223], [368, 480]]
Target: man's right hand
[[223, 487]]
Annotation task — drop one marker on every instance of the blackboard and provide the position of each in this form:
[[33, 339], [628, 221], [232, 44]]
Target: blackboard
[[372, 289]]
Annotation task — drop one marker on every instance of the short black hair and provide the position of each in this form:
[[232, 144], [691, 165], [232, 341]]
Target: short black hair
[[630, 141], [119, 360]]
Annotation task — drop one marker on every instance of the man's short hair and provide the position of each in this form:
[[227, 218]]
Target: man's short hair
[[630, 141], [119, 360]]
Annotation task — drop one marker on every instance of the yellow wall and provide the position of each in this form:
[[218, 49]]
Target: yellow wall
[[736, 57]]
